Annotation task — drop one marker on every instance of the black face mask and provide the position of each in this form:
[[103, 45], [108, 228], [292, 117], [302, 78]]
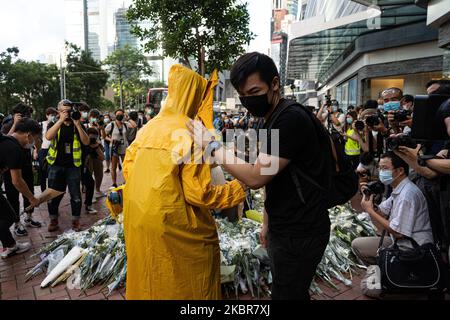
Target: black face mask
[[258, 106], [119, 117]]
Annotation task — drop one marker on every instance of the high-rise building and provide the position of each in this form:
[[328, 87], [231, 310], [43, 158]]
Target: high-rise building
[[123, 30]]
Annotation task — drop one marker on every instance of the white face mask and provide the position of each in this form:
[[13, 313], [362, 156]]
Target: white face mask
[[374, 133]]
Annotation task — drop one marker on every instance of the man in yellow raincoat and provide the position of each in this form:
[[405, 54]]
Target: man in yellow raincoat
[[171, 238]]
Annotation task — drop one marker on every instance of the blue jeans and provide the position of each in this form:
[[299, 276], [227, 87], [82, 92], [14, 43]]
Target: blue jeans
[[59, 178], [107, 150]]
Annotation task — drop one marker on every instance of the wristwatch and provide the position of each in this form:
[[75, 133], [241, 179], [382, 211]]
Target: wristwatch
[[212, 146], [422, 159]]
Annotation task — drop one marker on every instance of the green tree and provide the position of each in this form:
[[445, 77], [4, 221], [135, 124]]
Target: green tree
[[85, 79], [128, 67], [213, 31], [34, 83]]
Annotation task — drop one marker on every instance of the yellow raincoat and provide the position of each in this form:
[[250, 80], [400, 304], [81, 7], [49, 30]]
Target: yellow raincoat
[[171, 238]]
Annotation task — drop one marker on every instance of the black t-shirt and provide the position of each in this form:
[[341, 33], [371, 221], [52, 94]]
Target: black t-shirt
[[300, 143], [11, 154]]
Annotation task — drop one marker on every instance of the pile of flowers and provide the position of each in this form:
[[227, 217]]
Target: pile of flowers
[[97, 256]]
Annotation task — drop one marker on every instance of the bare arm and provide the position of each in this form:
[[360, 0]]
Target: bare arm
[[440, 165], [83, 135], [20, 184]]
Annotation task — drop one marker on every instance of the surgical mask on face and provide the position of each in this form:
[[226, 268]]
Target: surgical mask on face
[[107, 120], [374, 133], [84, 115], [385, 177], [392, 106], [349, 120], [93, 120], [119, 117], [52, 118], [258, 106], [334, 108]]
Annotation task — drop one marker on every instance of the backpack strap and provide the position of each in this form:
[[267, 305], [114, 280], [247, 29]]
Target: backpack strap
[[293, 168]]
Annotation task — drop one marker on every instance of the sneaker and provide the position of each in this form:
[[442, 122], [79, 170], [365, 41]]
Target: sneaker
[[76, 225], [20, 247], [114, 185], [99, 194], [31, 223], [53, 226], [107, 171], [20, 230], [94, 200], [89, 209]]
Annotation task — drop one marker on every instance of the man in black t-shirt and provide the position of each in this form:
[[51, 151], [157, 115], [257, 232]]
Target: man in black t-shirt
[[295, 230], [26, 132]]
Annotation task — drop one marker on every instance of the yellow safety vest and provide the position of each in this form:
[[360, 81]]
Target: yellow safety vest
[[76, 150], [352, 147]]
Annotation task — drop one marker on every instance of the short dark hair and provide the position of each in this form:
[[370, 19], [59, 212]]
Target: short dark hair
[[250, 63], [444, 87], [408, 98], [94, 113], [397, 162], [351, 107], [51, 110], [371, 104], [92, 131], [23, 109], [84, 106], [133, 115], [118, 110], [28, 125], [366, 158]]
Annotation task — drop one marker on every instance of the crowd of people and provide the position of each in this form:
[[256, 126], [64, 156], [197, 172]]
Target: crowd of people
[[72, 148], [168, 224]]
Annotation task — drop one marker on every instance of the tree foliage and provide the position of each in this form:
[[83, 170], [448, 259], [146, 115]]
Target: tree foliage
[[33, 83], [85, 79], [182, 28], [128, 67]]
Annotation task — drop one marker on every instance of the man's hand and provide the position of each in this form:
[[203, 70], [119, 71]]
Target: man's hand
[[17, 118], [263, 235], [408, 155], [199, 133], [443, 154], [63, 116], [35, 154], [367, 205], [34, 202]]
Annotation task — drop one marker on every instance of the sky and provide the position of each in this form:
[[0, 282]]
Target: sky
[[36, 27]]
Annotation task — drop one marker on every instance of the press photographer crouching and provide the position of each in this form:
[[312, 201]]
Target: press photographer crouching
[[403, 215], [65, 161]]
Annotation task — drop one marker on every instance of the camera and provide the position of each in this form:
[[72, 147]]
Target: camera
[[373, 188], [373, 120], [393, 143], [75, 114], [401, 115], [328, 100], [359, 125]]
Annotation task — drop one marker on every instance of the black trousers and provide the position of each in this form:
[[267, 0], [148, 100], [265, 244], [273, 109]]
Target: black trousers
[[7, 217], [294, 262], [12, 194], [89, 183]]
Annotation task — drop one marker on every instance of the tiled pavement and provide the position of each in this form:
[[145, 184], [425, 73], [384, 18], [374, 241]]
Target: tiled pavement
[[13, 270]]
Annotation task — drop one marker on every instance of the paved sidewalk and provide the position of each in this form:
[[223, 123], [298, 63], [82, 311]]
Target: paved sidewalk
[[13, 270]]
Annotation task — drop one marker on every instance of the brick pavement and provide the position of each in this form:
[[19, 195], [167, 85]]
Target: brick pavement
[[13, 270]]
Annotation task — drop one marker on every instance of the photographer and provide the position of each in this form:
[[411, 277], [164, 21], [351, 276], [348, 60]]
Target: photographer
[[375, 132], [92, 155], [354, 141], [117, 131], [20, 112], [403, 214], [11, 158], [65, 161], [333, 117], [97, 165]]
